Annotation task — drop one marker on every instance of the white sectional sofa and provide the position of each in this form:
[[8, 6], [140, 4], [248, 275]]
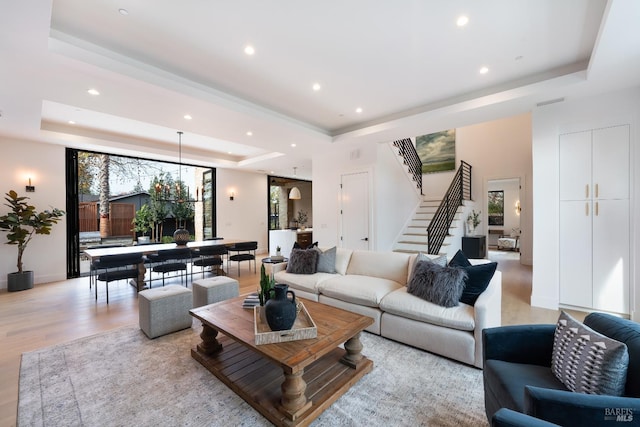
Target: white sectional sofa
[[374, 284]]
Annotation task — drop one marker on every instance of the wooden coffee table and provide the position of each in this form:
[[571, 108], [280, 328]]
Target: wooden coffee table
[[290, 383]]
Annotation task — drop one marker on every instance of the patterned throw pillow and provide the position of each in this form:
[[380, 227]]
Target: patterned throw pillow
[[586, 361], [302, 261]]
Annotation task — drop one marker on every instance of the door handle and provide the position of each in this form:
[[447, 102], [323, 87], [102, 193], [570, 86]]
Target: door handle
[[586, 209], [366, 239], [586, 191], [597, 191], [597, 209]]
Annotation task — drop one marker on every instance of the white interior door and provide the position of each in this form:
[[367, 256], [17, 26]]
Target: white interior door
[[355, 211]]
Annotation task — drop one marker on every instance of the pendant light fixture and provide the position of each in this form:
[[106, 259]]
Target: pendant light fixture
[[294, 194]]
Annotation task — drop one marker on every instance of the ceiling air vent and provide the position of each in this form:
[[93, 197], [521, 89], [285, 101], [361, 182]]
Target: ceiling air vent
[[551, 101]]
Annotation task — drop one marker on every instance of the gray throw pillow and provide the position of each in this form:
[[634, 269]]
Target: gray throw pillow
[[441, 261], [586, 361], [302, 261], [437, 284], [326, 260]]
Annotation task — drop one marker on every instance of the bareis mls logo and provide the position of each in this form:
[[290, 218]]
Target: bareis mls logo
[[618, 414]]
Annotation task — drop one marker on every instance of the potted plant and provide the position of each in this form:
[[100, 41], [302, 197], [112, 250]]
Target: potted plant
[[142, 223], [266, 284], [21, 223], [302, 219], [473, 220]]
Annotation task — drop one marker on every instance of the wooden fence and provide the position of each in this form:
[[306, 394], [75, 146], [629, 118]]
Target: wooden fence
[[121, 215]]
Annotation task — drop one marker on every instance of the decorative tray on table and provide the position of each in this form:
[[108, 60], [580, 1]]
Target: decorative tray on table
[[303, 328]]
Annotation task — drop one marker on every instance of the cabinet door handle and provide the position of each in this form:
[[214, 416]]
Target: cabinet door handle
[[597, 191], [586, 191], [596, 212], [586, 209]]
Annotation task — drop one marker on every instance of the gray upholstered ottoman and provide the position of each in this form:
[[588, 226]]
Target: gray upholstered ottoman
[[164, 310], [215, 289]]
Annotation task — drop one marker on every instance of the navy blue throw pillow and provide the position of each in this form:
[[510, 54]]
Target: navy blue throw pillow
[[459, 260], [478, 278]]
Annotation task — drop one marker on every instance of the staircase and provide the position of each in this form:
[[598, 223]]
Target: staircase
[[414, 237]]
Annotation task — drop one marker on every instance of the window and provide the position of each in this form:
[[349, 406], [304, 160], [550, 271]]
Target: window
[[496, 207]]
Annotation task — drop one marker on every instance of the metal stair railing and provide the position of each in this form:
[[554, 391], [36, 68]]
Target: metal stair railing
[[459, 190], [411, 159]]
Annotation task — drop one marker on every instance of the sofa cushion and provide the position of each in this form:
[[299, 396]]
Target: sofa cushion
[[302, 261], [356, 289], [392, 266], [506, 381], [587, 361], [401, 303], [305, 282], [326, 260], [343, 256], [437, 284]]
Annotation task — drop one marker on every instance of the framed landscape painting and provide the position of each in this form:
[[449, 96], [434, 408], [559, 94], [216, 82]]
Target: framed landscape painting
[[437, 151]]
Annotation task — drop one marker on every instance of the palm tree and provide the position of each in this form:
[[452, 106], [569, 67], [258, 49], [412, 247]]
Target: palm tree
[[103, 176]]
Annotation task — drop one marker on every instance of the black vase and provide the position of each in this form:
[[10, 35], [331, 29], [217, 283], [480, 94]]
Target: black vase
[[181, 236], [280, 311]]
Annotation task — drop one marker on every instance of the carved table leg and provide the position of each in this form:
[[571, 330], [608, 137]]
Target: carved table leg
[[294, 402], [209, 345], [142, 271], [353, 348]]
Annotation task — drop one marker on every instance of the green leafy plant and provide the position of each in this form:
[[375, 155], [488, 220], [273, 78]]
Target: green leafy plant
[[266, 284], [474, 218], [302, 217], [143, 220], [22, 222]]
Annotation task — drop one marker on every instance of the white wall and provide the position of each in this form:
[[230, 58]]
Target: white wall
[[245, 217], [498, 149], [548, 123], [45, 255]]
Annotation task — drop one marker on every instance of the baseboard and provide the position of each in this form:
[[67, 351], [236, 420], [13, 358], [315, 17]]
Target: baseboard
[[544, 302]]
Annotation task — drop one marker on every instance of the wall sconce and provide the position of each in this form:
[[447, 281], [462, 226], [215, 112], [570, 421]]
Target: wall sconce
[[232, 195], [30, 188], [518, 208]]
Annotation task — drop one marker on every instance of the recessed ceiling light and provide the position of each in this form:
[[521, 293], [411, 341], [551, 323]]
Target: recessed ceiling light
[[249, 50], [123, 12], [358, 110], [93, 92], [71, 122], [293, 145], [316, 87], [462, 21], [187, 117], [249, 133], [484, 70]]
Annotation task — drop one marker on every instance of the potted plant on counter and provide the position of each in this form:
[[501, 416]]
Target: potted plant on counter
[[21, 223], [143, 222]]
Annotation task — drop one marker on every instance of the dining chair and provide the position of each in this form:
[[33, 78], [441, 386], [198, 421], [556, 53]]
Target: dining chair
[[168, 261], [94, 266], [244, 251], [209, 256], [110, 268]]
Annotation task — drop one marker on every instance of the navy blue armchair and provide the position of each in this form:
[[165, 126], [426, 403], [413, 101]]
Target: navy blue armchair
[[517, 376]]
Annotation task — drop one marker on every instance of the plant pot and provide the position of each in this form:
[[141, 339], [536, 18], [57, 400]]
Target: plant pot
[[143, 240], [19, 281]]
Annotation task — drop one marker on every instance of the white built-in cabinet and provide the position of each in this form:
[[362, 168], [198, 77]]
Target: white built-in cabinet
[[594, 219]]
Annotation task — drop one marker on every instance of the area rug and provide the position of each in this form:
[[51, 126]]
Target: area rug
[[121, 378]]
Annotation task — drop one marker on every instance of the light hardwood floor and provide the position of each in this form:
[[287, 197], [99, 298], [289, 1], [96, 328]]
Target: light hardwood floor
[[58, 312]]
